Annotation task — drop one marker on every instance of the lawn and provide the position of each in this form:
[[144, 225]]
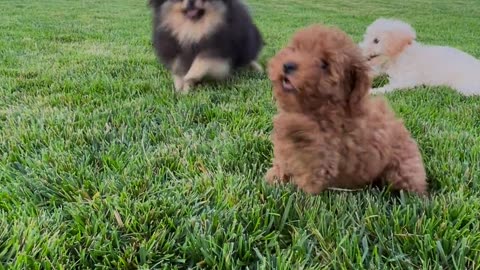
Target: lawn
[[103, 166]]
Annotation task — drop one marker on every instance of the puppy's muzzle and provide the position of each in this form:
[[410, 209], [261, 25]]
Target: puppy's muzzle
[[288, 69], [192, 11], [373, 56]]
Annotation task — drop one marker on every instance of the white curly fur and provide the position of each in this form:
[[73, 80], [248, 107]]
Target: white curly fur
[[409, 63]]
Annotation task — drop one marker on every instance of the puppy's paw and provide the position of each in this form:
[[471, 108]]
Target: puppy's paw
[[181, 85], [383, 90], [377, 91], [328, 171], [275, 176], [256, 66], [187, 86], [311, 184], [178, 83], [272, 176]]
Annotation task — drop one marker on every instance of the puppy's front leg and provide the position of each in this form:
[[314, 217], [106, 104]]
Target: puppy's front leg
[[177, 74], [205, 67], [321, 160], [178, 82], [382, 90], [310, 155], [256, 66], [394, 86]]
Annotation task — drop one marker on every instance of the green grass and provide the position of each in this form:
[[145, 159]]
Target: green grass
[[103, 166]]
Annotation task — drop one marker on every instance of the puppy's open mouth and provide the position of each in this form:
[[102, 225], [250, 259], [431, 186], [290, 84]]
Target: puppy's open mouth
[[287, 85], [194, 13], [373, 56]]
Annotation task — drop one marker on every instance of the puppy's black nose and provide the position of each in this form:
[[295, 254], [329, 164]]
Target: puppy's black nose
[[289, 67], [190, 4]]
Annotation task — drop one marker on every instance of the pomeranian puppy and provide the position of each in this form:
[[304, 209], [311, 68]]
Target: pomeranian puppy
[[329, 132], [197, 39], [391, 49]]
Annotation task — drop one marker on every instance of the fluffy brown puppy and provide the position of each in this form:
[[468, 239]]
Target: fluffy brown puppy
[[328, 131]]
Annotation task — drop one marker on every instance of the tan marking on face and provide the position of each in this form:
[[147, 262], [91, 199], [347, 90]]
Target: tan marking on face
[[398, 41], [189, 31]]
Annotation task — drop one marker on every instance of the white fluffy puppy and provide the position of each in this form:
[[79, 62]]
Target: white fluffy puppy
[[391, 49]]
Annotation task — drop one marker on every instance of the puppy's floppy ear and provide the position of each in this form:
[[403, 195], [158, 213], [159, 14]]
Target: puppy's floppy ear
[[359, 86], [399, 40]]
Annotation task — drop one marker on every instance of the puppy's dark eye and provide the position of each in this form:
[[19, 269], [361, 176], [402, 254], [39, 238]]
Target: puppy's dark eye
[[324, 65], [289, 67], [376, 41]]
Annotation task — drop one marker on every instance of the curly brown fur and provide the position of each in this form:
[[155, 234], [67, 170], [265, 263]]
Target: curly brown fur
[[328, 131], [196, 39]]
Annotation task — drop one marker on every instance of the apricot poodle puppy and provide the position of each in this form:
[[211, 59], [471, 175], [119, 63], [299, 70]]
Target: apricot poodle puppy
[[329, 133]]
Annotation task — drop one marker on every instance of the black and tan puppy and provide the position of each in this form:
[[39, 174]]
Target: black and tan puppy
[[196, 39]]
